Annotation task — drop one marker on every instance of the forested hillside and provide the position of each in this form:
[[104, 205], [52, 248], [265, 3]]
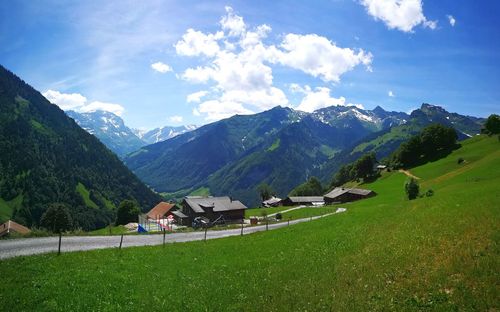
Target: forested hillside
[[46, 158]]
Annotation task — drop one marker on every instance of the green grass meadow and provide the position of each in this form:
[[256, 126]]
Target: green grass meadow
[[385, 253]]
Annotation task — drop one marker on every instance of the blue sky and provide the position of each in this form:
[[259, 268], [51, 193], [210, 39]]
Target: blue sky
[[191, 62]]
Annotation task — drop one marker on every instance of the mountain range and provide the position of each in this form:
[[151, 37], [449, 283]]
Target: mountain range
[[118, 137], [46, 157], [281, 147], [161, 134]]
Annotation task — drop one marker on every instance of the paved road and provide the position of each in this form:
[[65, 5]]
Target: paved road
[[29, 246]]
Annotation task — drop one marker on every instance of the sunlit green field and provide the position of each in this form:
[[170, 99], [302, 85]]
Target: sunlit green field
[[436, 253]]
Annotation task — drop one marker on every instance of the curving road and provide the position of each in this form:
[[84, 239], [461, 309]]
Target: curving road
[[30, 246]]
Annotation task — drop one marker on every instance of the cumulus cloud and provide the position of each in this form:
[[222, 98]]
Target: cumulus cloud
[[79, 103], [320, 57], [196, 43], [196, 96], [390, 93], [318, 98], [66, 101], [175, 119], [403, 15], [216, 110], [237, 63], [116, 109], [161, 67], [452, 20], [232, 23]]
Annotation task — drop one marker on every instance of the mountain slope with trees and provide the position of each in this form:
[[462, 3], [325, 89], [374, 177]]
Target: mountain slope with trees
[[47, 158]]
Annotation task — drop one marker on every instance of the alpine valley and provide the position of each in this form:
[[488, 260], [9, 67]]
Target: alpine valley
[[119, 138], [281, 147]]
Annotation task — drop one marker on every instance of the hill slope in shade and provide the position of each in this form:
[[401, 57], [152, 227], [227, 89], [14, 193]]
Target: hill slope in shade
[[46, 157], [436, 253]]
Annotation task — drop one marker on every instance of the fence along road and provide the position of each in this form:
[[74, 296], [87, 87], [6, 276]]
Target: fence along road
[[30, 246]]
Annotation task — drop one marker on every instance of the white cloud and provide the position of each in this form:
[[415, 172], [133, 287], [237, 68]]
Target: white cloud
[[390, 93], [198, 74], [116, 109], [232, 23], [66, 101], [403, 15], [196, 97], [319, 98], [452, 20], [237, 63], [161, 67], [216, 110], [195, 43], [320, 57], [175, 119], [79, 103]]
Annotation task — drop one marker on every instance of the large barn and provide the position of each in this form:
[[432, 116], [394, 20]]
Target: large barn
[[303, 200], [343, 194], [211, 208]]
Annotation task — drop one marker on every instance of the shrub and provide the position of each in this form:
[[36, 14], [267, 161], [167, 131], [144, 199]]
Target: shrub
[[128, 210], [492, 124], [460, 160], [57, 218], [412, 188], [429, 193], [279, 216]]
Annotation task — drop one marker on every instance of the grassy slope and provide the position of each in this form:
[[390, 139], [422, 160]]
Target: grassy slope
[[384, 253], [7, 208], [82, 190]]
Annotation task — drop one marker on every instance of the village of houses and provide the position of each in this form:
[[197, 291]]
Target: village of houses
[[207, 211]]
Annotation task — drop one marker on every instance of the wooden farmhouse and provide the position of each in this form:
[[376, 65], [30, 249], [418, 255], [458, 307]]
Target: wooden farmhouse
[[211, 208], [10, 227], [161, 211], [342, 195]]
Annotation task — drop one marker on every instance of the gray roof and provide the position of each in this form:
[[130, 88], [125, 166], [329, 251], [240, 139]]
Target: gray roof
[[272, 200], [306, 199], [199, 204], [179, 214], [336, 192]]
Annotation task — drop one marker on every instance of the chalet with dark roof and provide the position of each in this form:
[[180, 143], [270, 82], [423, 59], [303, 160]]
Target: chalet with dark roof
[[211, 208], [344, 194]]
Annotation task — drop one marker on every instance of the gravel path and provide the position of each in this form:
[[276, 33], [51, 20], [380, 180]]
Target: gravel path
[[30, 246]]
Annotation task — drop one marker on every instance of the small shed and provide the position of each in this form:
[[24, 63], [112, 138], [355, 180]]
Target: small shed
[[303, 200], [13, 227], [272, 202], [342, 195]]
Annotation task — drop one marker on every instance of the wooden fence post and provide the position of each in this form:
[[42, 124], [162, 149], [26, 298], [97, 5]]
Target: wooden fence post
[[121, 241], [59, 248], [288, 221], [242, 228], [206, 228], [267, 224], [164, 232]]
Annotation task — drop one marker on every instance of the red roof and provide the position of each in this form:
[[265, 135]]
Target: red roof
[[160, 210]]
